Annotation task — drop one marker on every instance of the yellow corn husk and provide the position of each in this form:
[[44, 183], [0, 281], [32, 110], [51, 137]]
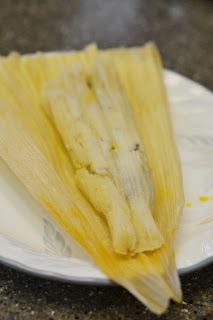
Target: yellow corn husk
[[34, 151], [141, 75]]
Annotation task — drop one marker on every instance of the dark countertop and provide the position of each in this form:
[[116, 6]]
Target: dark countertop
[[183, 31]]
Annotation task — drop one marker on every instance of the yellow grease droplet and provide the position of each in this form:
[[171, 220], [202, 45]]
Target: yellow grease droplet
[[188, 204], [203, 198]]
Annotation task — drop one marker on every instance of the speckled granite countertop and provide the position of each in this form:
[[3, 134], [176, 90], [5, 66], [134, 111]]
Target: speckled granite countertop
[[183, 31]]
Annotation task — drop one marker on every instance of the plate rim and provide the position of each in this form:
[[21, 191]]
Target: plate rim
[[49, 275]]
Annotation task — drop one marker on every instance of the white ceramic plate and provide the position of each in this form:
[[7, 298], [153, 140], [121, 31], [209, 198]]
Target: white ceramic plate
[[31, 241]]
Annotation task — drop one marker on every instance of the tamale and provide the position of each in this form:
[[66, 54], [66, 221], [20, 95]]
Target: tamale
[[98, 129], [33, 149]]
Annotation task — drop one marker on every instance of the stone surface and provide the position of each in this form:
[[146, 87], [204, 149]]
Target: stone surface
[[26, 297], [183, 31]]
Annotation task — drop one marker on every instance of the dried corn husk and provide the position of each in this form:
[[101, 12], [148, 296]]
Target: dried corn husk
[[34, 151]]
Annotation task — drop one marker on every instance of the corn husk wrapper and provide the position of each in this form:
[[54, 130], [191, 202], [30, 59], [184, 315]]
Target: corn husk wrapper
[[34, 151]]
